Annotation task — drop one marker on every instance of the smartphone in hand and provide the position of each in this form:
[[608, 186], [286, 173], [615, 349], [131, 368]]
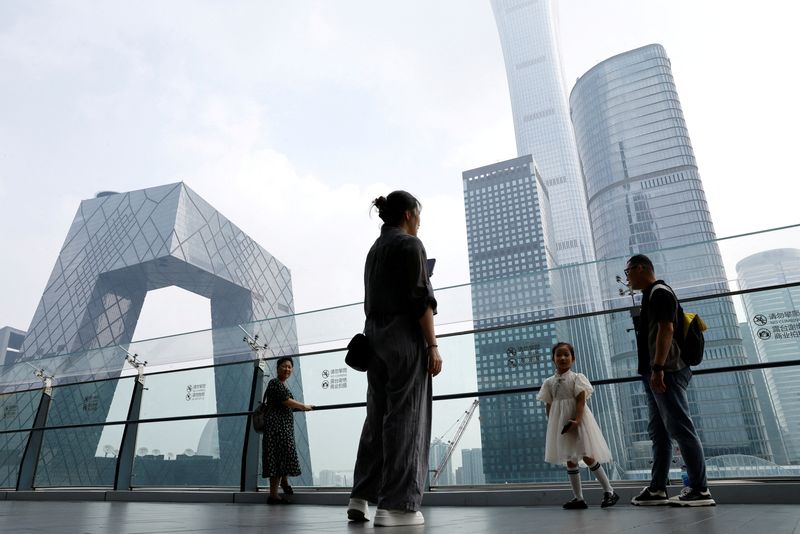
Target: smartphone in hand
[[566, 427], [430, 264]]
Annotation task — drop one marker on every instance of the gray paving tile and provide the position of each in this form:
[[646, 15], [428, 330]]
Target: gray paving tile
[[210, 518]]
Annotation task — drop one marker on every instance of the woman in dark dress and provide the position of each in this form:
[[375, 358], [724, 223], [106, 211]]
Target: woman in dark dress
[[392, 462], [278, 451]]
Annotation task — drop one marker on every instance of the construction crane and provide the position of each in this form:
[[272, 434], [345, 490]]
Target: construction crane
[[451, 446]]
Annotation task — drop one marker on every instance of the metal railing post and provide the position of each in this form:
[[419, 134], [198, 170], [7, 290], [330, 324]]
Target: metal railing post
[[30, 458], [127, 449], [252, 440]]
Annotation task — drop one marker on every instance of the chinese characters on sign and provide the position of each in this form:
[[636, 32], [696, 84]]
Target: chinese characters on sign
[[777, 325], [90, 402], [524, 355], [334, 378], [195, 392]]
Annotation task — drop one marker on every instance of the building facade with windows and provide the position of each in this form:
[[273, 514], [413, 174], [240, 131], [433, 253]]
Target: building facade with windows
[[645, 196], [472, 467], [510, 255]]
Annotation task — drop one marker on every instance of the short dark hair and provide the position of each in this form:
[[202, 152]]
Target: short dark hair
[[641, 259], [562, 344], [393, 207], [284, 359]]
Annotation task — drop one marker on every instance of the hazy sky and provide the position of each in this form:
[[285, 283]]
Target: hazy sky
[[289, 117]]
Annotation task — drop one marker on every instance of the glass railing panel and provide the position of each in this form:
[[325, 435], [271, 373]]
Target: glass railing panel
[[12, 447], [79, 457], [525, 290], [84, 456], [204, 391], [333, 437], [326, 380], [18, 410], [189, 453], [456, 456], [742, 435]]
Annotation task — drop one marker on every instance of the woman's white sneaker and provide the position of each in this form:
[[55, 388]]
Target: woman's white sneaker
[[358, 510], [396, 518]]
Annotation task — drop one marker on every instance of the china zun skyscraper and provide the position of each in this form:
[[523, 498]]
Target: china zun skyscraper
[[529, 39]]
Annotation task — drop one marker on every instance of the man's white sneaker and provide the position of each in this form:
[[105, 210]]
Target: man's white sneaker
[[358, 510], [396, 518]]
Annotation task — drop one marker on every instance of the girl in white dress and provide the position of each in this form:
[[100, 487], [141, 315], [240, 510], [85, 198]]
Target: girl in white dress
[[572, 432]]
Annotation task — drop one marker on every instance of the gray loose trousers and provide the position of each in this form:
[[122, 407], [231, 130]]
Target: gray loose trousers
[[392, 463]]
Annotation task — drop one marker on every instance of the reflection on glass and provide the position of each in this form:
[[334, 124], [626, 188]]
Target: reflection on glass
[[11, 450], [70, 457], [188, 453]]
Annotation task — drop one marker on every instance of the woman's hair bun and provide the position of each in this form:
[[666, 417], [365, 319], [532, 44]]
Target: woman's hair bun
[[392, 207]]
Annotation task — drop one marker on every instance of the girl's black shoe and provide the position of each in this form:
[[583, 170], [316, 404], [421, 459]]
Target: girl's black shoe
[[609, 499], [575, 504], [287, 489]]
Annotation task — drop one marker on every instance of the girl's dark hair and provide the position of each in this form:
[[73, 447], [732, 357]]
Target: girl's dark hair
[[392, 208], [562, 344], [284, 359]]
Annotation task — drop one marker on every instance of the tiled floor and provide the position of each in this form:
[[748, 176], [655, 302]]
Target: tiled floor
[[138, 517]]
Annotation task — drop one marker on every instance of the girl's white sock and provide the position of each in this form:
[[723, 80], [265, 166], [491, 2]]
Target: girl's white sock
[[575, 480], [600, 474]]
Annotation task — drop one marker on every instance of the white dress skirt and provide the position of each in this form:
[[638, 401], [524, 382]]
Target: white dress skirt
[[560, 391]]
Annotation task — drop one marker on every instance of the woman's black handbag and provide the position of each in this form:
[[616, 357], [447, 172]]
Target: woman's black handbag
[[359, 353], [260, 418]]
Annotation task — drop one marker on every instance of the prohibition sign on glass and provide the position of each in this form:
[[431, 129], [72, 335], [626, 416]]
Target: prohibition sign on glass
[[764, 334], [760, 320]]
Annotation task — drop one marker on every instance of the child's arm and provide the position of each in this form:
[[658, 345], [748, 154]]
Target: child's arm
[[580, 404]]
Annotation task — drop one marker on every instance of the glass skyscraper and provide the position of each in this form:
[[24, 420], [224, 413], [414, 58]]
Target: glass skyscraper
[[510, 251], [774, 319], [528, 33], [645, 196]]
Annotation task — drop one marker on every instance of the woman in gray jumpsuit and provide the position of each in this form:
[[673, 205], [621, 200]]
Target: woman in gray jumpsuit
[[392, 462]]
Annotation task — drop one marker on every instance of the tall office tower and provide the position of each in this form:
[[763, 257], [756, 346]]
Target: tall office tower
[[645, 196], [528, 32], [436, 454], [472, 467], [510, 252], [774, 318], [10, 343]]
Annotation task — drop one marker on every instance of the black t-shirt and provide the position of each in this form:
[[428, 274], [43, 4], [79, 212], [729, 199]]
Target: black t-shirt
[[658, 305]]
